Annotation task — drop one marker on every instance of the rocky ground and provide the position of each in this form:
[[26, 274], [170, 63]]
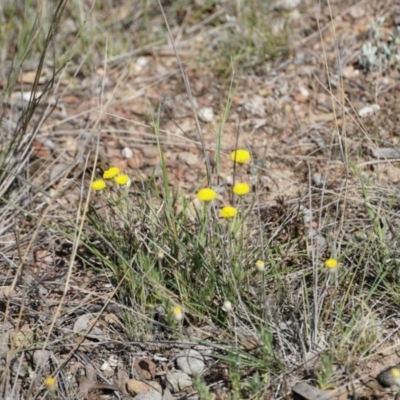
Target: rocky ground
[[316, 117]]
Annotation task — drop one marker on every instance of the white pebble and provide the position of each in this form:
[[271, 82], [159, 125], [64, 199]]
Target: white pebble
[[367, 111], [207, 114], [127, 152], [141, 64]]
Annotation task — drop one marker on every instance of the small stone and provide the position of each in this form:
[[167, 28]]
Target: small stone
[[134, 386], [386, 152], [317, 240], [367, 111], [141, 63], [317, 179], [155, 172], [151, 395], [58, 171], [167, 395], [107, 370], [96, 332], [113, 361], [127, 152], [190, 361], [40, 357], [357, 12], [305, 391], [150, 151], [350, 72], [188, 158], [178, 381], [287, 4], [82, 323], [207, 114], [229, 180]]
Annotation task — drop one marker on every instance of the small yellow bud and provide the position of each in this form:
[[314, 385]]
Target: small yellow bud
[[260, 265], [111, 173], [241, 189], [228, 212], [122, 180], [178, 315], [240, 156], [206, 194], [51, 384], [331, 264], [389, 377], [98, 185]]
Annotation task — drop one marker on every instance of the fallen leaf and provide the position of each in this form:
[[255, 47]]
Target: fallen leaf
[[145, 368], [58, 171], [113, 319], [23, 338], [30, 76], [6, 291], [133, 386], [39, 149], [82, 322]]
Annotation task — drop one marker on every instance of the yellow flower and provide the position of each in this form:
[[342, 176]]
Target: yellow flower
[[396, 373], [240, 156], [51, 384], [389, 377], [241, 189], [98, 185], [178, 314], [111, 173], [228, 212], [206, 194], [260, 265], [122, 179], [331, 263]]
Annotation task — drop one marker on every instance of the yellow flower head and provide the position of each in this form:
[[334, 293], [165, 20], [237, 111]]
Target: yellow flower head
[[240, 156], [206, 194], [260, 265], [111, 173], [98, 185], [389, 377], [50, 383], [228, 212], [396, 373], [241, 189], [122, 180], [178, 315], [331, 263]]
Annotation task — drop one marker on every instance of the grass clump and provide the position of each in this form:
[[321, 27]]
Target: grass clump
[[187, 253], [185, 239], [248, 41]]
